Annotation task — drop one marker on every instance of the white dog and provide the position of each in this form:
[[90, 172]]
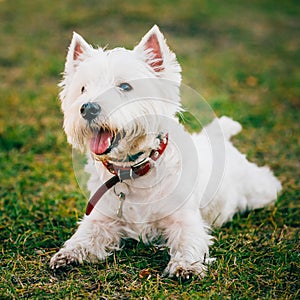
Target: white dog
[[150, 179]]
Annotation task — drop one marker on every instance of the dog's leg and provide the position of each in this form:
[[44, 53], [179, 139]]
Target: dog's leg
[[94, 239], [188, 242]]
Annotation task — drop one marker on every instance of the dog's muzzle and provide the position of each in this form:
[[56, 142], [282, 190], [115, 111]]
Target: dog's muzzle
[[90, 110]]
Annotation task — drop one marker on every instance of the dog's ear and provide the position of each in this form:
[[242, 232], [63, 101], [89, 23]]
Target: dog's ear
[[78, 51], [151, 47], [155, 51]]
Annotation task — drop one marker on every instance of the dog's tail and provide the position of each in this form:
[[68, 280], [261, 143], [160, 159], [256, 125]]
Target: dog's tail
[[225, 126], [229, 127]]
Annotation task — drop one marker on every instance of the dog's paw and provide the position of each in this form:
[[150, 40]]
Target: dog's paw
[[184, 270], [183, 274], [64, 257]]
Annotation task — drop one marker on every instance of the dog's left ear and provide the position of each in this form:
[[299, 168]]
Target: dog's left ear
[[155, 51]]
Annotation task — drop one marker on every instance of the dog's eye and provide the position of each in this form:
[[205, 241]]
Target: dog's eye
[[126, 87], [83, 89]]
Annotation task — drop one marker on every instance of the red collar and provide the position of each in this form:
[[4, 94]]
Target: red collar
[[124, 173]]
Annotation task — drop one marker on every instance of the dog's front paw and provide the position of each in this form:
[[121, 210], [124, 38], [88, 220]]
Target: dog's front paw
[[65, 257], [185, 270]]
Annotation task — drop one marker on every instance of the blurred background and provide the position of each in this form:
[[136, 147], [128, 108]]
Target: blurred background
[[243, 57]]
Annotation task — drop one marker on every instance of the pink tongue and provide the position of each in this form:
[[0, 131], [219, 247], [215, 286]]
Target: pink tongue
[[100, 142]]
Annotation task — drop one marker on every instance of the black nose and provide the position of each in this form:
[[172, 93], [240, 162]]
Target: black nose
[[90, 110]]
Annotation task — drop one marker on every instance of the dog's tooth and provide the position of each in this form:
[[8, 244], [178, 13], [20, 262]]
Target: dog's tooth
[[109, 142]]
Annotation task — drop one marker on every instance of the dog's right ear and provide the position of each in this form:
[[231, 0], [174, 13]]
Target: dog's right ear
[[79, 50]]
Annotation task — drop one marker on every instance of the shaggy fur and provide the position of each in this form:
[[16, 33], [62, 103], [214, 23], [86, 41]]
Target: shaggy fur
[[199, 181]]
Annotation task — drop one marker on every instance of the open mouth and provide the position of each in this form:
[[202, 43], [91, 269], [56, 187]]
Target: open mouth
[[103, 141]]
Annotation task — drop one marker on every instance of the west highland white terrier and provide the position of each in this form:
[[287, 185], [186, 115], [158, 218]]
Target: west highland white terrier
[[149, 178]]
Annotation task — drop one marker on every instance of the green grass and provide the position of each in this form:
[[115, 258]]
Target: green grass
[[243, 58]]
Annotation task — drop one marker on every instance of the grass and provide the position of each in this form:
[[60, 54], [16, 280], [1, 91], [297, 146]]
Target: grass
[[243, 57]]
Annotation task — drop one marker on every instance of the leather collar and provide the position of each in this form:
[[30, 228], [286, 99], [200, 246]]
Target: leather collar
[[123, 173]]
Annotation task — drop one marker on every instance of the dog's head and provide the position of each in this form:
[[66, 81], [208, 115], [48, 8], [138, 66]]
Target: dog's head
[[115, 101]]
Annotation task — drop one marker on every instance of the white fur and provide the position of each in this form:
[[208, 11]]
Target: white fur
[[186, 191]]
